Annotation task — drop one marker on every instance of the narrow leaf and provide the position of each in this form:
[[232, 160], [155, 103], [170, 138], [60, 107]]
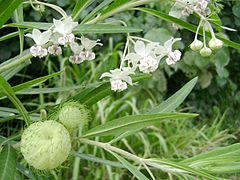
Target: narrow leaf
[[79, 7], [7, 8], [175, 100], [33, 82], [7, 163], [130, 167], [8, 91], [82, 28], [127, 123]]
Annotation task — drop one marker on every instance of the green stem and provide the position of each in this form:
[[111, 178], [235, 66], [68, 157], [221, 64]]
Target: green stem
[[26, 55], [114, 149]]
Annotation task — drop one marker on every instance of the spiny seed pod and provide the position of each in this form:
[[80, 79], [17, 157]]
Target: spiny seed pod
[[206, 52], [196, 45], [45, 145], [73, 115], [215, 44]]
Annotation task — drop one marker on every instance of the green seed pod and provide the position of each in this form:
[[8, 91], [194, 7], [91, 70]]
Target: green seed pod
[[196, 45], [215, 44], [206, 52], [45, 145], [73, 115]]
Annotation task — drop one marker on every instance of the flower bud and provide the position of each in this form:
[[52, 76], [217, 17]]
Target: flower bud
[[215, 44], [196, 45], [205, 52], [73, 115], [45, 145]]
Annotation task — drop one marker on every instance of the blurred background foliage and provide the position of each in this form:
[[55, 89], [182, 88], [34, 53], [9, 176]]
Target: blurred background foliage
[[216, 97]]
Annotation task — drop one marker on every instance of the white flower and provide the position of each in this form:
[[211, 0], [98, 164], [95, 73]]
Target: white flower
[[87, 55], [119, 78], [89, 44], [144, 57], [167, 50], [173, 57], [38, 51], [77, 49], [55, 50], [118, 85], [65, 28], [67, 39], [148, 65], [38, 37], [76, 59]]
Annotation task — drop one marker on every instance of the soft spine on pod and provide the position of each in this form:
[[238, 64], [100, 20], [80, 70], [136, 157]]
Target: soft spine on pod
[[45, 145], [73, 115]]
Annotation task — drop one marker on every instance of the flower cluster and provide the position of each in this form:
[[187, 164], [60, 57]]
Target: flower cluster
[[184, 8], [61, 34], [146, 58]]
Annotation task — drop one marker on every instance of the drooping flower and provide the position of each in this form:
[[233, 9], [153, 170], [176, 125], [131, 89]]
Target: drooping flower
[[144, 57], [88, 45], [65, 28], [119, 79], [167, 50], [55, 50], [40, 39], [77, 49]]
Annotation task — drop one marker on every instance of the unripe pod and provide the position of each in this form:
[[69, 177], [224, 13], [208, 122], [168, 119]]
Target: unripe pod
[[73, 115], [196, 45], [215, 44], [206, 52], [45, 145]]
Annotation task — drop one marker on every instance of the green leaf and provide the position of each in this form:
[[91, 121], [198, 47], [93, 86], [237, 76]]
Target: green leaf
[[185, 25], [120, 6], [7, 8], [82, 28], [130, 167], [96, 10], [18, 16], [13, 34], [175, 167], [7, 163], [8, 91], [17, 60], [175, 100], [127, 123], [13, 71], [222, 152], [79, 7], [33, 82]]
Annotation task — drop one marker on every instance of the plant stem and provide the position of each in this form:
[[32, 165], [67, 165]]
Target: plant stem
[[114, 149], [26, 55]]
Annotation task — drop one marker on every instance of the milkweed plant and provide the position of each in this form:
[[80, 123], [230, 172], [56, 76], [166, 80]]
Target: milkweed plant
[[57, 139]]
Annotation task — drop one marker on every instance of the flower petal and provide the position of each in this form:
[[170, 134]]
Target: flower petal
[[140, 48]]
